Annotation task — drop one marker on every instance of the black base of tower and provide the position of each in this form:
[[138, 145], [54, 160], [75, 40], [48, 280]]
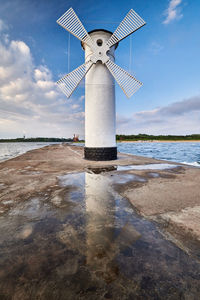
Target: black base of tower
[[100, 153]]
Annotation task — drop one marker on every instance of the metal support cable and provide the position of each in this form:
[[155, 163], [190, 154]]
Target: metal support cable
[[130, 55], [68, 63]]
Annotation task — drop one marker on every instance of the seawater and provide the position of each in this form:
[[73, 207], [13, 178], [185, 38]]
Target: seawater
[[10, 150], [182, 152]]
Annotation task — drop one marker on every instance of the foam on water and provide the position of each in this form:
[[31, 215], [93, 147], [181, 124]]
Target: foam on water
[[195, 163], [147, 167]]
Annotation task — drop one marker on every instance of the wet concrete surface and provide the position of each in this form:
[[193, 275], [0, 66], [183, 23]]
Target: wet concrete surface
[[74, 235], [90, 244]]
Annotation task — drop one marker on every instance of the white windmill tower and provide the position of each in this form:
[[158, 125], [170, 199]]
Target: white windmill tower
[[99, 46]]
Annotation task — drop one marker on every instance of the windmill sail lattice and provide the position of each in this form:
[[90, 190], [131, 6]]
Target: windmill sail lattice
[[70, 81], [130, 24], [127, 82], [70, 21]]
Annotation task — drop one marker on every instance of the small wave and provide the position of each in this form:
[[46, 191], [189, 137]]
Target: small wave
[[11, 150], [195, 163]]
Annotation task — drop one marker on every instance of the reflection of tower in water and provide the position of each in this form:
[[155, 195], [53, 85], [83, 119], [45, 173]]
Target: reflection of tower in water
[[103, 240], [100, 208]]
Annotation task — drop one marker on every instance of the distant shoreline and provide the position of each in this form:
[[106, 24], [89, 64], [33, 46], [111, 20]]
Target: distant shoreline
[[124, 141], [133, 140], [157, 138], [160, 141]]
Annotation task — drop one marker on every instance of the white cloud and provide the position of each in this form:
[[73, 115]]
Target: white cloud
[[45, 84], [75, 106], [156, 48], [42, 73], [30, 100], [173, 11], [181, 117], [3, 26], [81, 98]]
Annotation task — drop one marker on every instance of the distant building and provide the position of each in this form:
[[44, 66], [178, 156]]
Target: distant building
[[76, 138]]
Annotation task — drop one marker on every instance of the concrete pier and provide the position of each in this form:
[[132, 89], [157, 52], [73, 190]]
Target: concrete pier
[[163, 193], [169, 196]]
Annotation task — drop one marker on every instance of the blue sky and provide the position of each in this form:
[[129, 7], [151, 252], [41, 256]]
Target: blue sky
[[164, 55]]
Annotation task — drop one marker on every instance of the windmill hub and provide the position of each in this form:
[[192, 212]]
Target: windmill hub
[[99, 46], [99, 50], [100, 53]]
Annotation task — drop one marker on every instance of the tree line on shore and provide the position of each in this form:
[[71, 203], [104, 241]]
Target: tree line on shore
[[147, 137], [119, 137], [37, 139]]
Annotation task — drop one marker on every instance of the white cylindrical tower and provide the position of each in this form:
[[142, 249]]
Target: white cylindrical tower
[[100, 114]]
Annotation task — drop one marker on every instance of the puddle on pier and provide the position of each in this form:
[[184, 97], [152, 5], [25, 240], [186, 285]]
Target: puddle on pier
[[90, 245]]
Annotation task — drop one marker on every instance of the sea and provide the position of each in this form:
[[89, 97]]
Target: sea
[[10, 150], [182, 152]]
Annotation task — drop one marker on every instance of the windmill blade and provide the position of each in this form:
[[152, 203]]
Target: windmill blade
[[130, 24], [126, 81], [70, 21], [70, 81]]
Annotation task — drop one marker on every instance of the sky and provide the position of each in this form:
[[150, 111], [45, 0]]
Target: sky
[[35, 52]]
